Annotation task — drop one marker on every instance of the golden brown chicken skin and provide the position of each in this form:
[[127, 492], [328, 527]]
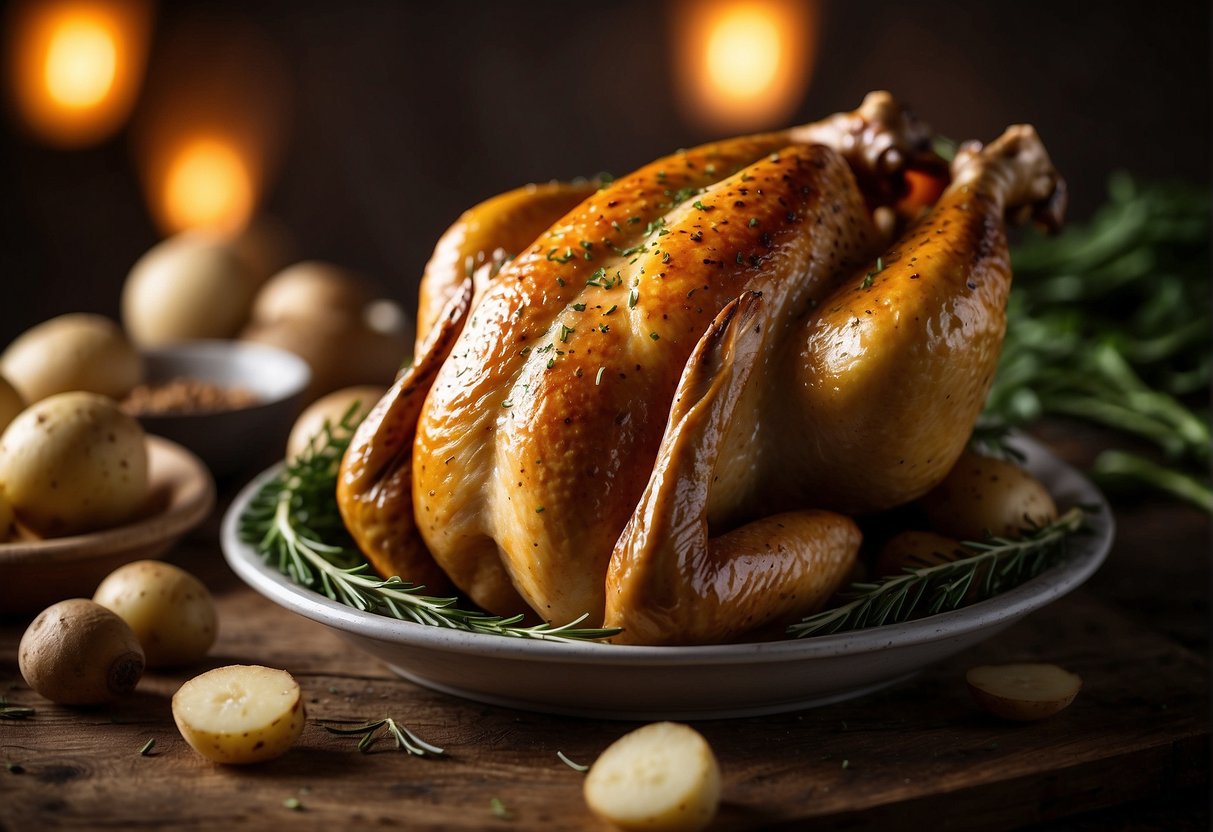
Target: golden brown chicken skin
[[484, 238], [864, 405], [540, 431], [612, 427]]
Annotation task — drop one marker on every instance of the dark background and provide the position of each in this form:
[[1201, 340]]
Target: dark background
[[403, 114]]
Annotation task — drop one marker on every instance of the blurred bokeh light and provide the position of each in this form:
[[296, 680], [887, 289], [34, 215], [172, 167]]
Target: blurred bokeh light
[[76, 66], [743, 64]]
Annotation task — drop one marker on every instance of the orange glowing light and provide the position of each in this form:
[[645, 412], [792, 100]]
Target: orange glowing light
[[743, 53], [81, 62], [207, 185], [77, 66], [743, 64], [211, 123]]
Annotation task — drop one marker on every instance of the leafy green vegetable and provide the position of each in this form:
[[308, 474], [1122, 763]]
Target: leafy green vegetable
[[1110, 323]]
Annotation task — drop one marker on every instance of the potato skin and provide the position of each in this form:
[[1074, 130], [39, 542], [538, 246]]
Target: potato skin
[[170, 611], [983, 495], [308, 290], [913, 549], [340, 352], [77, 652], [72, 352], [331, 408], [74, 463], [193, 285], [11, 403]]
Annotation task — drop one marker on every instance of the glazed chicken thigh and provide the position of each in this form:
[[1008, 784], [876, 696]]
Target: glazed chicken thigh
[[663, 411]]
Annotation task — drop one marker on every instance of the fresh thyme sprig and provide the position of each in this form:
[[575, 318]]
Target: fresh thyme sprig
[[293, 523], [1000, 564], [405, 739]]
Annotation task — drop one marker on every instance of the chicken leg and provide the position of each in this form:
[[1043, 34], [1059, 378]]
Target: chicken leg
[[891, 371], [669, 582]]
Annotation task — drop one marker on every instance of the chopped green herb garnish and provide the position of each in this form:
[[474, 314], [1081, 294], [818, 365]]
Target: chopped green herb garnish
[[499, 810]]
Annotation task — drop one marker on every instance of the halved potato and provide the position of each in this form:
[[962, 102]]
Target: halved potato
[[663, 776], [240, 713], [1023, 692]]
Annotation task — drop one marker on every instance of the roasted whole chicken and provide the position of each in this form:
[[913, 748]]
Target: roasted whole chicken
[[661, 401]]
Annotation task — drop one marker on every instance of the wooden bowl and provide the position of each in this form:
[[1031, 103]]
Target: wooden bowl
[[36, 573]]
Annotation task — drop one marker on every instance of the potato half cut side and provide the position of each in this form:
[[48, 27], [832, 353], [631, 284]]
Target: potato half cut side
[[1023, 692], [663, 776], [240, 713]]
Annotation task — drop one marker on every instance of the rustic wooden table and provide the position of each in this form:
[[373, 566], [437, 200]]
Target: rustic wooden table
[[1131, 753]]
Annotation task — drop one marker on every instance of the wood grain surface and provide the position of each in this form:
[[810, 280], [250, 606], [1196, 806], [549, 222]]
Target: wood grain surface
[[1131, 752]]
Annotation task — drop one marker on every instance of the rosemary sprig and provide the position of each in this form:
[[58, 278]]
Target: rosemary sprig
[[293, 523], [406, 740], [8, 711], [1000, 564]]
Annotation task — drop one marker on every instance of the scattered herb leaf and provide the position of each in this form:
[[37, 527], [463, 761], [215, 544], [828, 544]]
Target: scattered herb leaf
[[570, 763]]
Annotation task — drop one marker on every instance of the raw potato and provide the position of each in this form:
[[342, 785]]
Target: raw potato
[[310, 290], [240, 714], [74, 463], [340, 352], [11, 403], [1023, 692], [72, 352], [331, 408], [983, 494], [169, 610], [79, 653], [659, 777], [190, 286]]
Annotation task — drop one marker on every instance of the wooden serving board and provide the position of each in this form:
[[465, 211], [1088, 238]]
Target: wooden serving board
[[1131, 752]]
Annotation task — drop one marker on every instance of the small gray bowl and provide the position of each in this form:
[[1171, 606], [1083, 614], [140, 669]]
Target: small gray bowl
[[239, 440]]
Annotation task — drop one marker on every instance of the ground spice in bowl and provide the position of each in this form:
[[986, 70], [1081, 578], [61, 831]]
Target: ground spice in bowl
[[183, 395]]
